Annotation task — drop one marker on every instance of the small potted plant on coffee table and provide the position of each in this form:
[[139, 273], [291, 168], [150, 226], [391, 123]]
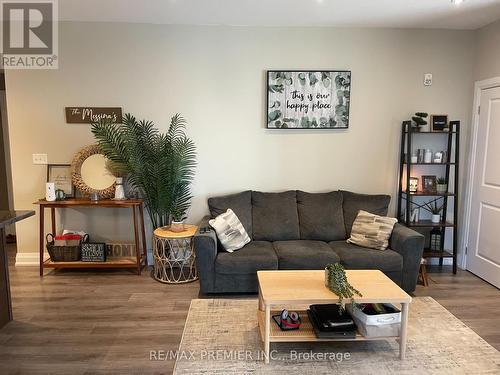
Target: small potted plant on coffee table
[[441, 185], [336, 281], [435, 210]]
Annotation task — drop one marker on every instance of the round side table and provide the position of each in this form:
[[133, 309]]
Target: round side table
[[174, 256]]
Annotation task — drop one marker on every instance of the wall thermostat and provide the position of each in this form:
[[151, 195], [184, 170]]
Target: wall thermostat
[[428, 79]]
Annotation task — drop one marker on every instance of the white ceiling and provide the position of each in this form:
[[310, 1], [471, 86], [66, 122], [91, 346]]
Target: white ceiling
[[471, 14]]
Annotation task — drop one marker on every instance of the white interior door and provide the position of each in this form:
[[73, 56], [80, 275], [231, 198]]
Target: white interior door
[[483, 255]]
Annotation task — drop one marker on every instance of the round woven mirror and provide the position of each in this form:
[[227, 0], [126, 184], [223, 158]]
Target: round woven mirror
[[90, 174]]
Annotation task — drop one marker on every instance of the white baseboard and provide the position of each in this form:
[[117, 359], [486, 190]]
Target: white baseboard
[[27, 259]]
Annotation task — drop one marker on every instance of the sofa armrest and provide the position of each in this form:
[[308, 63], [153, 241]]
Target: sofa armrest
[[410, 244], [205, 247]]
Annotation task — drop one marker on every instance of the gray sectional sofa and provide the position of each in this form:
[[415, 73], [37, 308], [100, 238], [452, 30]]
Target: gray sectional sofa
[[299, 230]]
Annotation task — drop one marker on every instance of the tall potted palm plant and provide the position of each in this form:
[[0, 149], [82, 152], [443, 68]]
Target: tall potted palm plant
[[159, 165]]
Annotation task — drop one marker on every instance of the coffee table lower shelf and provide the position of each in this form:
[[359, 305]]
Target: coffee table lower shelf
[[305, 333]]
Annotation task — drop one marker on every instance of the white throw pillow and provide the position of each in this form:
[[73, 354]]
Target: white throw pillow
[[231, 233], [372, 231]]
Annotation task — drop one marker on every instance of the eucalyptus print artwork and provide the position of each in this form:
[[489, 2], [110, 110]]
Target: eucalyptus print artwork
[[308, 99]]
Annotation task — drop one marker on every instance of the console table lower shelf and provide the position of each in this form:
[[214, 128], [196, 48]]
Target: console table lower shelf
[[118, 262]]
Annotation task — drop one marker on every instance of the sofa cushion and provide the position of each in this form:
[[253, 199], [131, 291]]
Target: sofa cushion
[[304, 254], [254, 256], [240, 203], [320, 216], [275, 216], [353, 202], [356, 257]]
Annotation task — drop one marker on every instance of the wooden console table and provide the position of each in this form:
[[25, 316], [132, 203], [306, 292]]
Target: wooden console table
[[137, 206], [7, 218]]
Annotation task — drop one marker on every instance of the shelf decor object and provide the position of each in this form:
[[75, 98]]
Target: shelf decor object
[[60, 175], [413, 185], [93, 252], [409, 200], [136, 262], [439, 123], [90, 173]]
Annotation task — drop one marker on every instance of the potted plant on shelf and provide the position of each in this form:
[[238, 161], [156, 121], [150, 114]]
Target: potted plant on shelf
[[435, 210], [177, 224], [420, 122], [159, 166], [441, 185], [336, 281]]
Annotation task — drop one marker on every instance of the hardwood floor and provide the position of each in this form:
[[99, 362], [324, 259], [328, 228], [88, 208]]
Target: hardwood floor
[[471, 299], [73, 322]]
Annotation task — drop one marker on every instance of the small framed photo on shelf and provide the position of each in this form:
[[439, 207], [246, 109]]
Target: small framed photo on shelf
[[60, 175], [429, 184], [413, 185], [439, 123]]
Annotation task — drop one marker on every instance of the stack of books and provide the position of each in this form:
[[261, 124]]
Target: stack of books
[[329, 323]]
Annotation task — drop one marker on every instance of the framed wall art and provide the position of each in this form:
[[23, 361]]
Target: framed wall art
[[60, 175], [439, 123], [307, 99]]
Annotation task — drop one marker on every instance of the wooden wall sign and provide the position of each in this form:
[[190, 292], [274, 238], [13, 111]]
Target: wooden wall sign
[[88, 115]]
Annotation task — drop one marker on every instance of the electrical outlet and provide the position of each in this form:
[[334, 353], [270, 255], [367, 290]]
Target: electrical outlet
[[40, 159], [428, 79]]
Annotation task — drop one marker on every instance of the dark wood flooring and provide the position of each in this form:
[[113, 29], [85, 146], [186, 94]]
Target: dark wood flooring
[[74, 322]]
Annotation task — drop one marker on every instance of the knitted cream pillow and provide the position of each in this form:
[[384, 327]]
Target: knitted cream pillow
[[231, 233], [372, 231]]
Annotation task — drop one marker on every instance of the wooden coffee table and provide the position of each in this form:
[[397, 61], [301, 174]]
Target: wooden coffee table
[[298, 289]]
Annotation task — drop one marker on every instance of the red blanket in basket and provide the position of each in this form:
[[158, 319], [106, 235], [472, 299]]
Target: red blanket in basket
[[67, 240]]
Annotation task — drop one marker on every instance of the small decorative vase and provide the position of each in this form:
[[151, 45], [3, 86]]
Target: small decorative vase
[[50, 192], [119, 190], [177, 226], [428, 156], [441, 188], [326, 277], [436, 218]]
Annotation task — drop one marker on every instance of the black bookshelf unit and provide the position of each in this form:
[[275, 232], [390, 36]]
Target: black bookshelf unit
[[406, 200]]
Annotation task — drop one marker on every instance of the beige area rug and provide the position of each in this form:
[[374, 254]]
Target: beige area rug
[[221, 337]]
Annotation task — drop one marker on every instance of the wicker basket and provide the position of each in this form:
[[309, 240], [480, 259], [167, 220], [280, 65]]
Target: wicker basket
[[63, 253]]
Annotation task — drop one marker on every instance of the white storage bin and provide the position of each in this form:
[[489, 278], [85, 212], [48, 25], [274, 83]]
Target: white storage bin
[[379, 325]]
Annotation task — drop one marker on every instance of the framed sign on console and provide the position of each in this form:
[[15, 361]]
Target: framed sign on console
[[307, 99]]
